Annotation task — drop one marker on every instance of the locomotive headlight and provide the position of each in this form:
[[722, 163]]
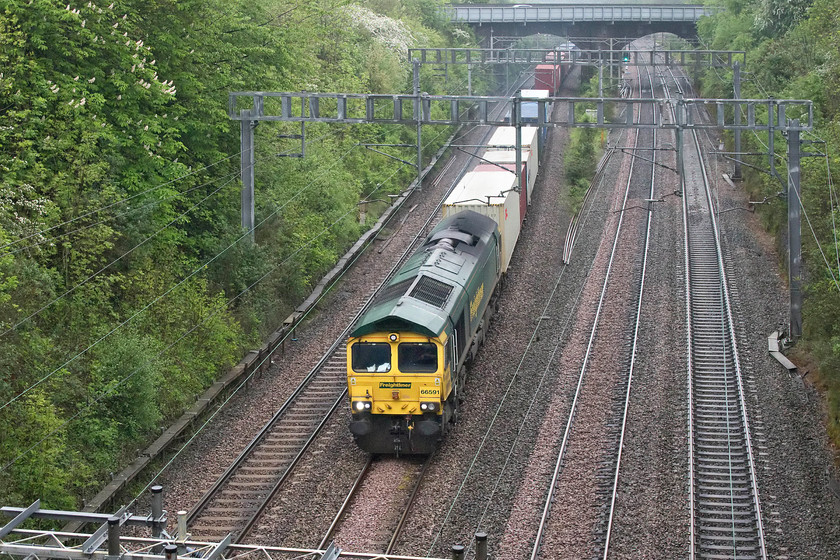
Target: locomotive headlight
[[423, 406], [393, 337], [361, 405], [430, 406]]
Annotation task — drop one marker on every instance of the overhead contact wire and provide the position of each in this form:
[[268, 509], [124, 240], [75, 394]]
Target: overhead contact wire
[[110, 218], [194, 327], [256, 366], [172, 345], [545, 370]]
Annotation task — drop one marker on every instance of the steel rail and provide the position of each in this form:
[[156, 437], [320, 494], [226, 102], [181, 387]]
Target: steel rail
[[255, 517], [638, 321], [398, 531], [574, 223], [570, 421], [733, 527], [255, 443], [353, 493], [689, 341], [730, 331], [350, 495], [222, 481]]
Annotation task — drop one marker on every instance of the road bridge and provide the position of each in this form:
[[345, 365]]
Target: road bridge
[[611, 18]]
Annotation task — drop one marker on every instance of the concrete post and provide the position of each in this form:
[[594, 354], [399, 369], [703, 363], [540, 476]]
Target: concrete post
[[481, 546], [457, 552], [182, 534], [114, 536], [157, 510]]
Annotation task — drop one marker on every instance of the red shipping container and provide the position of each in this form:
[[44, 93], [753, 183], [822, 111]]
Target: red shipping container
[[547, 77]]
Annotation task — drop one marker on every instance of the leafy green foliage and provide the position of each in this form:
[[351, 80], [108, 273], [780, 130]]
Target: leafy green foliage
[[581, 156], [126, 282]]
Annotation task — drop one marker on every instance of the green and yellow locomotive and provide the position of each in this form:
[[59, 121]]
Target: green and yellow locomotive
[[406, 355]]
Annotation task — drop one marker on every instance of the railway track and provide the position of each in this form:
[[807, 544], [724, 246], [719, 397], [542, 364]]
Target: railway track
[[236, 501], [240, 495], [390, 481], [612, 478], [612, 426], [724, 501]]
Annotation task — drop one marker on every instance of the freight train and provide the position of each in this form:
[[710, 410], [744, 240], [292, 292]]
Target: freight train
[[550, 75], [406, 355]]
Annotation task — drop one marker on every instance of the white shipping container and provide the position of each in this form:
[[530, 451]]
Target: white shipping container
[[490, 193], [505, 138], [533, 93], [529, 158]]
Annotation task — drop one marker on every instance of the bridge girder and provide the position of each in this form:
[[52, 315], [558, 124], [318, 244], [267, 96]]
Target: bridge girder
[[596, 30]]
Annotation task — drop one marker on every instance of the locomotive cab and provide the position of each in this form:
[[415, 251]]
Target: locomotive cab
[[398, 384]]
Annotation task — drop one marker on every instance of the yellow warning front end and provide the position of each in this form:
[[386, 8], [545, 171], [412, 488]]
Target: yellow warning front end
[[398, 385]]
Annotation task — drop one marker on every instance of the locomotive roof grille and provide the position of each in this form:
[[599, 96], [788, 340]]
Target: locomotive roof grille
[[392, 292], [434, 292]]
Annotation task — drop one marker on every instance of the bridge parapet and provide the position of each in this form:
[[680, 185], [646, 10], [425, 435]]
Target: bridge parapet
[[571, 13]]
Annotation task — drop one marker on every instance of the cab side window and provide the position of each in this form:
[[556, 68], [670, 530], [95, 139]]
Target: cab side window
[[447, 355]]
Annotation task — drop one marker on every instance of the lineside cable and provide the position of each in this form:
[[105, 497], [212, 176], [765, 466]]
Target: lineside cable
[[172, 345], [181, 282], [183, 336], [489, 430], [43, 379], [814, 233], [116, 203], [119, 215], [256, 366], [834, 205], [113, 262]]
